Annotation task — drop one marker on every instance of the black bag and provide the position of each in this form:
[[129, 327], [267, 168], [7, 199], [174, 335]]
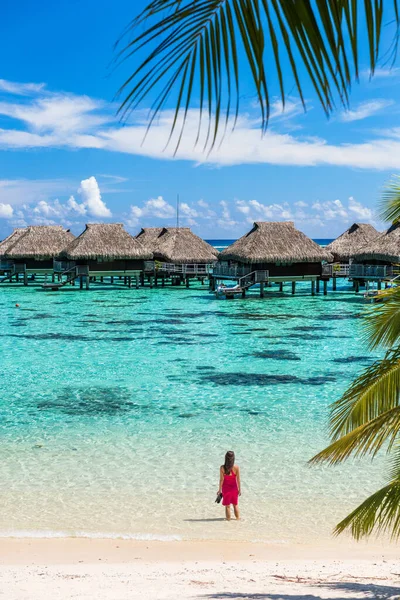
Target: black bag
[[218, 498]]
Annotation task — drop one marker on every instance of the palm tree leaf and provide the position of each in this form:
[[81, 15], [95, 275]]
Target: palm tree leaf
[[379, 512], [193, 47], [375, 391], [390, 202], [382, 323], [366, 439]]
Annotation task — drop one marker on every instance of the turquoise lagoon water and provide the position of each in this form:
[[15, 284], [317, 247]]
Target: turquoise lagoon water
[[118, 405]]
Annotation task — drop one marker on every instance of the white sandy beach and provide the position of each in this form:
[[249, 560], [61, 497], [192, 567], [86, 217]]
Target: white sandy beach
[[35, 569]]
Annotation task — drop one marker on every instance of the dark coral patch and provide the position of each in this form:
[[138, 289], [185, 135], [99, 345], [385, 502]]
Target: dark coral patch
[[90, 401], [276, 355], [263, 379], [353, 359]]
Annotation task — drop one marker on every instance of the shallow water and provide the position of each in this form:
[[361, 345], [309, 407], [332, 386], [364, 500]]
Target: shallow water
[[117, 407]]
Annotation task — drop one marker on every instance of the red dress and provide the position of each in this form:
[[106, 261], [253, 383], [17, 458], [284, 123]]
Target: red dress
[[230, 492]]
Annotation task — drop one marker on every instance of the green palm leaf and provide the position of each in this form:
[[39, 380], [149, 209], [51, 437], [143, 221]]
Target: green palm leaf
[[382, 323], [379, 512], [375, 391], [368, 438], [192, 50], [390, 203]]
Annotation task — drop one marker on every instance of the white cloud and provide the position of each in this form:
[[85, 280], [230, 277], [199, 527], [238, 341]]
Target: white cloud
[[90, 192], [361, 212], [301, 204], [6, 211], [58, 114], [21, 89], [187, 210], [226, 221], [331, 209], [68, 121], [73, 205], [381, 73], [255, 210], [365, 110]]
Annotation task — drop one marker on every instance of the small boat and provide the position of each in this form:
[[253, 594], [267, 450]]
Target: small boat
[[225, 290]]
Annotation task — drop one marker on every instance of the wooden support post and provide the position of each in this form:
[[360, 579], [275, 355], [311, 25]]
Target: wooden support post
[[379, 284], [112, 279], [187, 281], [281, 286], [151, 281], [81, 282], [262, 289], [87, 282], [125, 281], [386, 285], [137, 282], [142, 279], [129, 282], [334, 284], [356, 286], [293, 287], [313, 288], [317, 286], [25, 278], [243, 293], [325, 287], [101, 279], [163, 281]]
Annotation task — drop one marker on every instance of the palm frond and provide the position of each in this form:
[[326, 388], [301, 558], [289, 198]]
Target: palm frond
[[366, 439], [201, 49], [390, 201], [374, 392], [382, 322], [379, 512]]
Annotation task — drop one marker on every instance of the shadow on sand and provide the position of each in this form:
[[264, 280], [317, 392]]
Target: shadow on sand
[[360, 591], [203, 520]]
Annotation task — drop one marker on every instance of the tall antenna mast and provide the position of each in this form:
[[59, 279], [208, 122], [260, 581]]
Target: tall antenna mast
[[177, 211]]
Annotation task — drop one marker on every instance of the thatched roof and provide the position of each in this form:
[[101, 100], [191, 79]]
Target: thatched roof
[[352, 241], [180, 245], [271, 242], [40, 242], [106, 240], [385, 246], [12, 239], [148, 237]]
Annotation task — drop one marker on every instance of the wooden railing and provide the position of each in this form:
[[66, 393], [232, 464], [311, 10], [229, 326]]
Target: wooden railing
[[252, 278], [220, 270], [183, 269], [335, 270], [6, 265], [60, 266], [368, 271]]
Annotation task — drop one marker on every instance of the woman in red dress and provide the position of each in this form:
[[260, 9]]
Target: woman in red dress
[[229, 485]]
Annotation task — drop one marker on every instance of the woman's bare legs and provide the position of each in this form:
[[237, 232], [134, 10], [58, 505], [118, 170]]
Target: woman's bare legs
[[236, 511], [228, 512]]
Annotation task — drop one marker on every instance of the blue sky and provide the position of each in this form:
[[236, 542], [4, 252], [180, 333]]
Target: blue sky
[[65, 158]]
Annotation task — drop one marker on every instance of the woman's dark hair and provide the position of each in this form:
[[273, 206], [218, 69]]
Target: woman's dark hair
[[229, 462]]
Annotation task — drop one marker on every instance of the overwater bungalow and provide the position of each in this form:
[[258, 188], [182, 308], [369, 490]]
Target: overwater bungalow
[[103, 250], [7, 267], [379, 260], [178, 254], [33, 249], [272, 252]]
